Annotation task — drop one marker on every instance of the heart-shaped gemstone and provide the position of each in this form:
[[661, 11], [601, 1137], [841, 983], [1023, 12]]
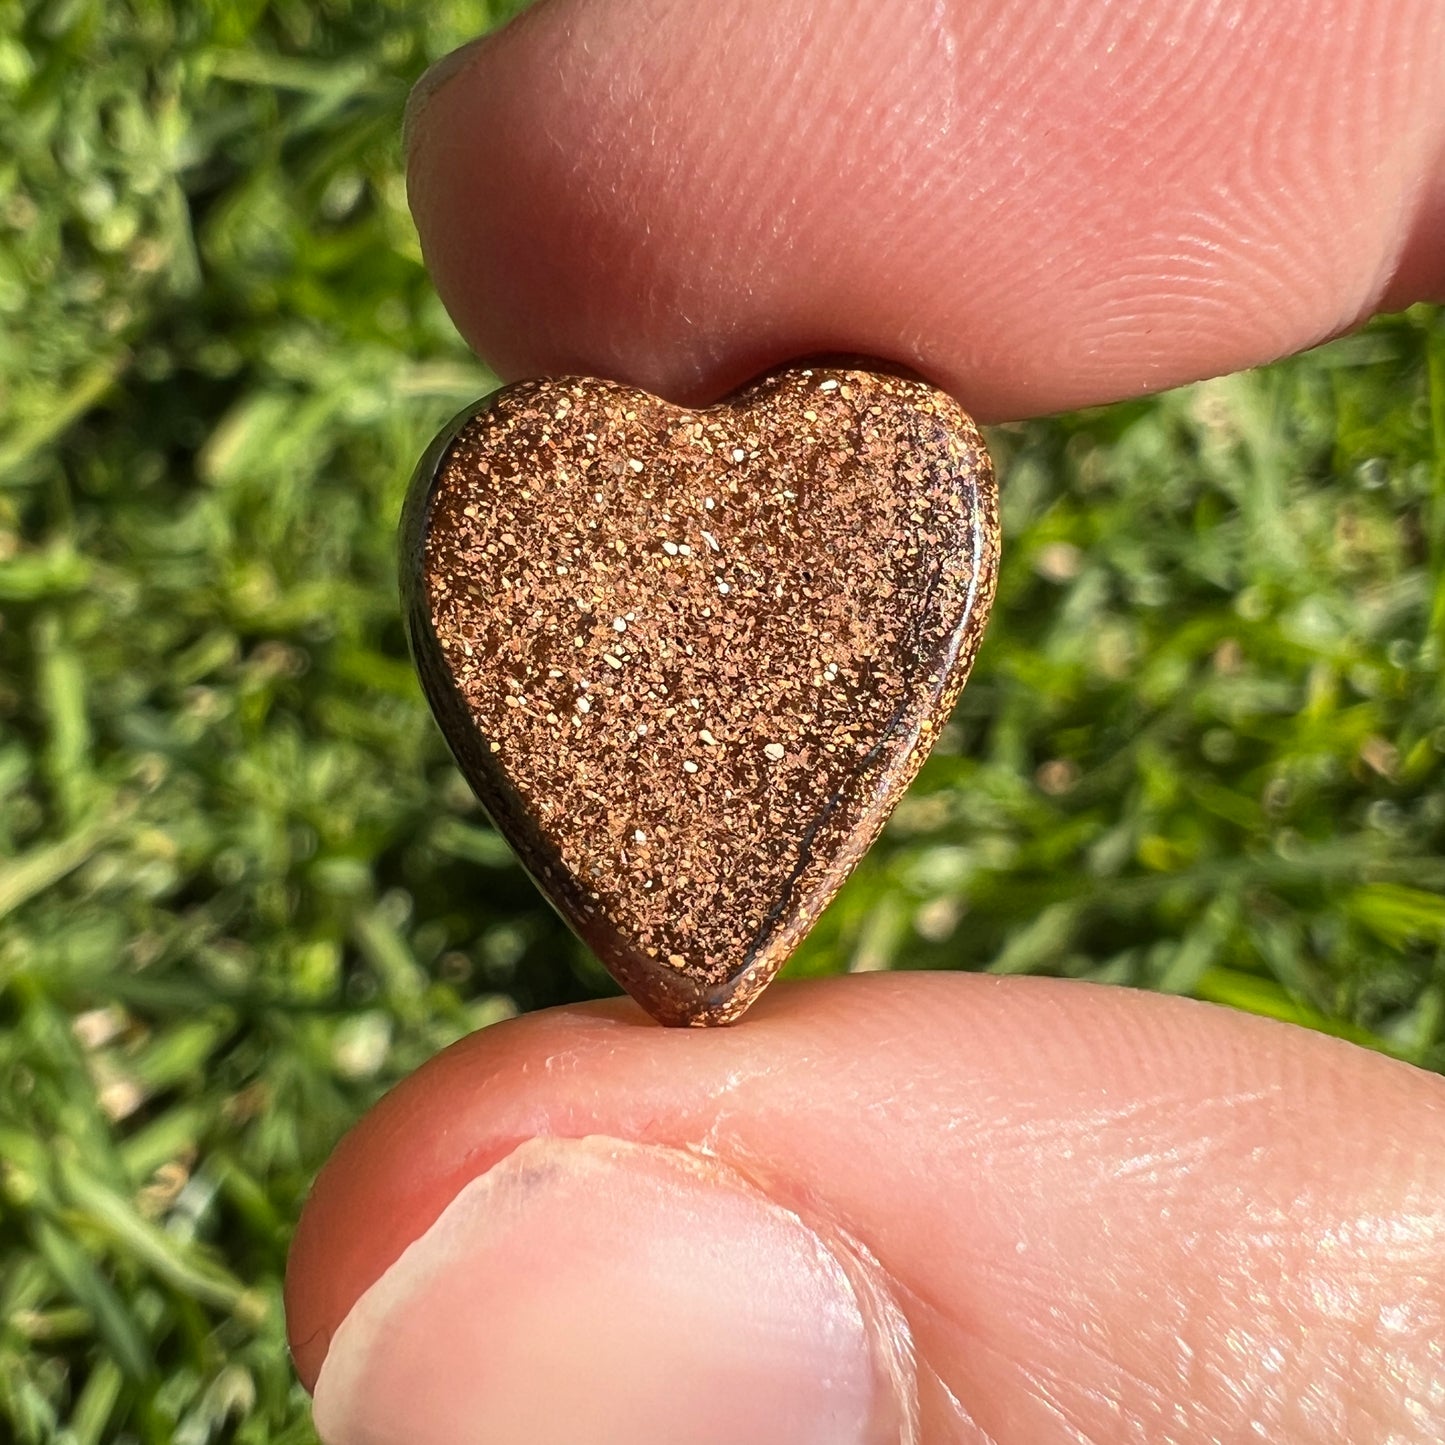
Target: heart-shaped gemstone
[[689, 660]]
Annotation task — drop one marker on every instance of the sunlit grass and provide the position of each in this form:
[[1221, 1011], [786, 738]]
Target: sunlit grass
[[242, 888]]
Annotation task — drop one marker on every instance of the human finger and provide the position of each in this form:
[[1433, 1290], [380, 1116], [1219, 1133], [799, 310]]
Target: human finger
[[935, 1208], [1036, 206]]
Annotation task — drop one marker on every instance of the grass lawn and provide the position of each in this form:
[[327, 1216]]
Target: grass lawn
[[242, 888]]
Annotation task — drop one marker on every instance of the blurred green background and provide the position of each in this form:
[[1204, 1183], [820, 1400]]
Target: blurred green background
[[242, 888]]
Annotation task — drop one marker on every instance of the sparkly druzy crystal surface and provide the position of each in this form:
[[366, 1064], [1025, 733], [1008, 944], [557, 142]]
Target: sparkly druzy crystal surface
[[689, 660]]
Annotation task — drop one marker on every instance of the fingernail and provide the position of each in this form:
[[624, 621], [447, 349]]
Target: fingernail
[[432, 80], [619, 1294]]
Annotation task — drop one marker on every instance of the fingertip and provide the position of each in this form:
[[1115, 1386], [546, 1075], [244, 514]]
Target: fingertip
[[984, 1140], [1037, 209]]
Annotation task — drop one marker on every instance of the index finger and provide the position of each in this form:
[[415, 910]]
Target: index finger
[[1037, 207]]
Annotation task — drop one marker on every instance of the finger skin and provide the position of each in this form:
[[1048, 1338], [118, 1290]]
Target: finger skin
[[1036, 206], [1125, 1215]]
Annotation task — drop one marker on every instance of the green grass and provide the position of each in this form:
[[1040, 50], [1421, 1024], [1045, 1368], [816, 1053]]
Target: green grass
[[242, 889]]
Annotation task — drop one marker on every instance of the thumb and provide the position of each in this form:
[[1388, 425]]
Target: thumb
[[916, 1208]]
